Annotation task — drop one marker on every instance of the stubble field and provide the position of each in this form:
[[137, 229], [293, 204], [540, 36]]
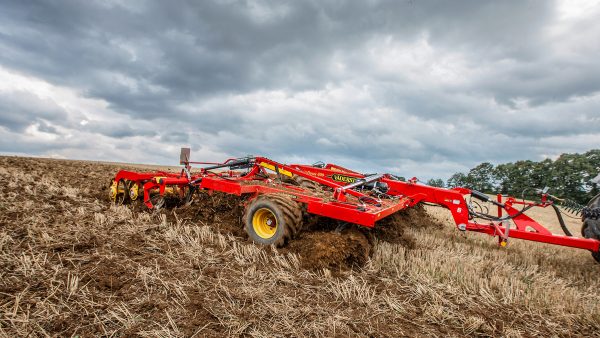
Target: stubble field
[[73, 264]]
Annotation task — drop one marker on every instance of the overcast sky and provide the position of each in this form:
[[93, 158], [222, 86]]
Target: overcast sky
[[416, 88]]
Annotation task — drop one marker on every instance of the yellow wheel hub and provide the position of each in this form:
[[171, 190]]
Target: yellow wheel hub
[[264, 223], [116, 188], [112, 193], [134, 192]]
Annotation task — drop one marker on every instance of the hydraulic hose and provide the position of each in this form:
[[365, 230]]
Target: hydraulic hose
[[561, 221], [499, 219]]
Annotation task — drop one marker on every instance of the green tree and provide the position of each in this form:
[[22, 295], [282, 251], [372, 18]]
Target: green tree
[[480, 177], [569, 176], [500, 177], [457, 180], [436, 182]]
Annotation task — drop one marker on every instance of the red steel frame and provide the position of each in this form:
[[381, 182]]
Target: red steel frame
[[353, 206]]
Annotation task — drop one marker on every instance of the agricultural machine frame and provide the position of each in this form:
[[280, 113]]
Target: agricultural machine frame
[[342, 194]]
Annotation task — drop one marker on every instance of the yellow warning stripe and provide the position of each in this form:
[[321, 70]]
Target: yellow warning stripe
[[272, 167]]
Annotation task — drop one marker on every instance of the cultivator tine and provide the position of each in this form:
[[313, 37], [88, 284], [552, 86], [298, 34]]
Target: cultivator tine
[[572, 207]]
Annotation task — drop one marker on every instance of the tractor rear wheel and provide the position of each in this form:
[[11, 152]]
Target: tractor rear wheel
[[273, 219], [591, 230]]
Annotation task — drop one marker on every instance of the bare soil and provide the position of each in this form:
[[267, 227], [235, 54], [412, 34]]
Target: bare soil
[[73, 264]]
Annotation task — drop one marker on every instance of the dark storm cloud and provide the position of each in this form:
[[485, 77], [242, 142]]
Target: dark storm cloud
[[388, 81], [21, 109], [117, 130], [143, 59]]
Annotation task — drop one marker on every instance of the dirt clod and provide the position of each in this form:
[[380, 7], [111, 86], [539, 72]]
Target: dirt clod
[[219, 210], [332, 250], [392, 228], [108, 275]]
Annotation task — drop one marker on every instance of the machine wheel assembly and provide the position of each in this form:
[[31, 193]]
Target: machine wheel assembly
[[596, 256], [591, 231], [307, 184], [273, 219], [591, 223], [134, 191], [119, 192]]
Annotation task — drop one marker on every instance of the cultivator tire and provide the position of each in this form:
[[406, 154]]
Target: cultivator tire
[[596, 256], [273, 219], [305, 183]]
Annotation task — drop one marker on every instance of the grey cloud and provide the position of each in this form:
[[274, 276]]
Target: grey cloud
[[117, 129], [196, 49], [21, 109], [364, 83], [18, 143], [175, 137]]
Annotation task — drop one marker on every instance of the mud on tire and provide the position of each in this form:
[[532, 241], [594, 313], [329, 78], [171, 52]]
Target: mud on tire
[[305, 183], [273, 219]]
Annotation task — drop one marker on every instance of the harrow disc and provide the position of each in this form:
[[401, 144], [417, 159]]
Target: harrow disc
[[158, 201], [134, 191], [118, 192]]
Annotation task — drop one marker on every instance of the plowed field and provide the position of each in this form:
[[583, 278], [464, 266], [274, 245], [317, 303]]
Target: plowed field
[[71, 263]]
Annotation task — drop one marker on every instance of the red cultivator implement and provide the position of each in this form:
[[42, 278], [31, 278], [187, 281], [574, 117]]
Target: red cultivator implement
[[277, 196]]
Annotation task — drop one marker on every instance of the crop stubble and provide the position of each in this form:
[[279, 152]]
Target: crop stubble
[[70, 263]]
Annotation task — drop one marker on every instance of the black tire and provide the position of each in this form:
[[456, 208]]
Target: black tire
[[288, 180], [305, 183], [596, 256], [591, 230], [277, 209]]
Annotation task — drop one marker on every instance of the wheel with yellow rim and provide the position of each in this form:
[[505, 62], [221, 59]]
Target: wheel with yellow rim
[[273, 219]]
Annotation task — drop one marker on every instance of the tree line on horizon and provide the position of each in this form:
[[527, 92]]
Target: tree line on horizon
[[570, 176]]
